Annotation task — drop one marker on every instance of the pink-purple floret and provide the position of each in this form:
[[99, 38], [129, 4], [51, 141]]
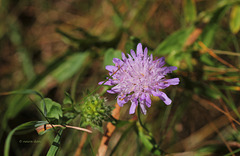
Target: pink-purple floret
[[137, 77]]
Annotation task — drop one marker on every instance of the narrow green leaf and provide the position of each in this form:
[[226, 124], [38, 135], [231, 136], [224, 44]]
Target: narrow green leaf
[[174, 42], [233, 88], [26, 62], [35, 82], [23, 127], [69, 39], [117, 17], [233, 152], [55, 145], [235, 19], [117, 20], [205, 58], [40, 123], [40, 148], [190, 12], [19, 102], [109, 55], [209, 32], [207, 150], [28, 91], [227, 99], [71, 65]]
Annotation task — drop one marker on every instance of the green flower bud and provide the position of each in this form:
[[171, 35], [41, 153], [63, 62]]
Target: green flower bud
[[94, 111]]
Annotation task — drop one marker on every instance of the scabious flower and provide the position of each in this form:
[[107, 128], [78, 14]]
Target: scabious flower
[[138, 77]]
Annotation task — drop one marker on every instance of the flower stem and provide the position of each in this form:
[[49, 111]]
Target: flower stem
[[139, 118]]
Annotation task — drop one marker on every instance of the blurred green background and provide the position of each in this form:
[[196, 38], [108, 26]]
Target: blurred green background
[[64, 45]]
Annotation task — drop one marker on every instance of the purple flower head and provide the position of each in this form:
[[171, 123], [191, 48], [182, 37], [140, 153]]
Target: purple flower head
[[138, 77]]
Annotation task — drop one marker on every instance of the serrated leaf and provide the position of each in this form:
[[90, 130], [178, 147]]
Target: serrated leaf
[[190, 12], [54, 109], [235, 19], [174, 42], [68, 99], [69, 115], [110, 54]]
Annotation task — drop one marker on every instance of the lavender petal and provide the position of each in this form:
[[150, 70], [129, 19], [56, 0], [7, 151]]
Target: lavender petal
[[133, 107], [139, 50]]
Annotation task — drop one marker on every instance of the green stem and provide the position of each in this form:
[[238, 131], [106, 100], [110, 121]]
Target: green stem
[[139, 119], [113, 120]]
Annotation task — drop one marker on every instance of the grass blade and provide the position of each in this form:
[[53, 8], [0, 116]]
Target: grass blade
[[24, 126], [55, 145]]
